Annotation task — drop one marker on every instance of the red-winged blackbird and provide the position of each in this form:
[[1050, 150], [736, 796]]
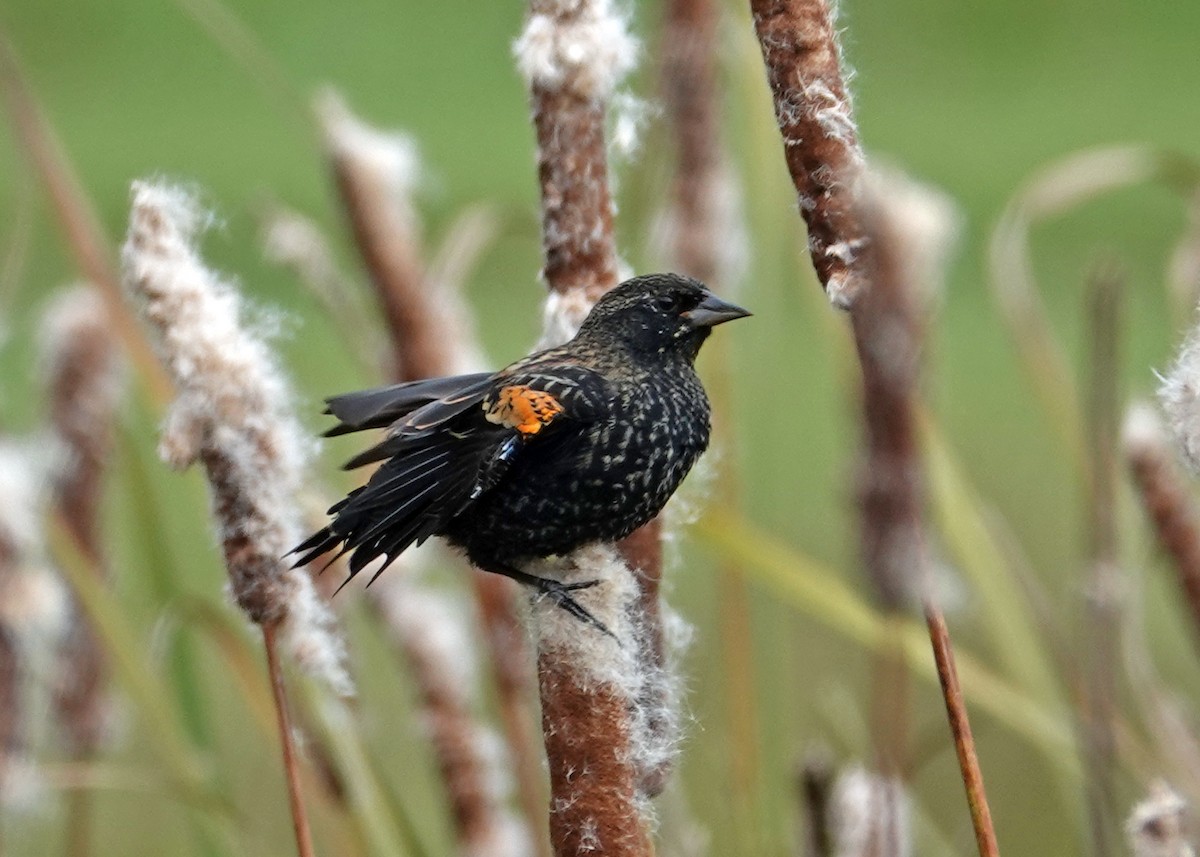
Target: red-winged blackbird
[[572, 445]]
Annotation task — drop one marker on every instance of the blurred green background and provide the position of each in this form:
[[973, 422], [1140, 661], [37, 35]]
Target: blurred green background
[[970, 96]]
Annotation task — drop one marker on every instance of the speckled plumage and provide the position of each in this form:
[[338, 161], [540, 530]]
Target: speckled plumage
[[573, 445]]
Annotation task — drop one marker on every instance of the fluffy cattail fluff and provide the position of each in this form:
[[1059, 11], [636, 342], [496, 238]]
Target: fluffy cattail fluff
[[1179, 394], [869, 815], [33, 613], [581, 45], [1156, 827], [231, 413], [83, 379], [430, 628], [573, 53]]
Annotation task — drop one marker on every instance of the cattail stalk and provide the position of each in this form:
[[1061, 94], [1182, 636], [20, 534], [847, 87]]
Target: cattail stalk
[[887, 322], [1167, 499], [820, 140], [82, 379], [432, 335], [232, 415], [882, 286], [600, 717]]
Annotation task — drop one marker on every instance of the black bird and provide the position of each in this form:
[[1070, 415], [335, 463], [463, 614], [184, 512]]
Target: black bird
[[572, 445]]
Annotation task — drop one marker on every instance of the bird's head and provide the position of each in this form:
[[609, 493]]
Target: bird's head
[[659, 314]]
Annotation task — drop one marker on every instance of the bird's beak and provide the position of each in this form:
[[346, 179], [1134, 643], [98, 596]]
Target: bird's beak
[[713, 311]]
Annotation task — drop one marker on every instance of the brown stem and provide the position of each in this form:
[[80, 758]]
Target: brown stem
[[960, 728], [820, 141], [577, 224], [291, 766], [1166, 496], [596, 777], [588, 712]]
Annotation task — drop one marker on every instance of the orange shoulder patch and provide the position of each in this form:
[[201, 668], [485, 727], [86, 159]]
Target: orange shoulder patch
[[522, 408]]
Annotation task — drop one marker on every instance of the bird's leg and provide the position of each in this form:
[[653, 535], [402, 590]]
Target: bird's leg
[[558, 592]]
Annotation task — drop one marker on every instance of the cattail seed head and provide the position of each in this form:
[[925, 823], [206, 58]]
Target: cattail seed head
[[233, 414]]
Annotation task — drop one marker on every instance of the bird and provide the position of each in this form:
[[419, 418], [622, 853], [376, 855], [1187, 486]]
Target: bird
[[569, 446]]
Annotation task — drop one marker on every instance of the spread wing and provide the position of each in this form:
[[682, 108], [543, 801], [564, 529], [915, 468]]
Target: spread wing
[[443, 452]]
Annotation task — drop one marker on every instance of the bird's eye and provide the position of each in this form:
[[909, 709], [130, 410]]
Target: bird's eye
[[668, 302]]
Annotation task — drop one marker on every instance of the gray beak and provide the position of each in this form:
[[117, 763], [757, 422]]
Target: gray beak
[[713, 311]]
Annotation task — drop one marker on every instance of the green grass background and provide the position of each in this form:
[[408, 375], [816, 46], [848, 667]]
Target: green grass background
[[971, 96]]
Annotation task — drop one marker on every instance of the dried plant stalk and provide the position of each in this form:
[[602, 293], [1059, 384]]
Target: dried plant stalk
[[428, 628], [601, 728], [869, 816], [816, 792], [33, 617], [1167, 499], [820, 141], [232, 414], [887, 321]]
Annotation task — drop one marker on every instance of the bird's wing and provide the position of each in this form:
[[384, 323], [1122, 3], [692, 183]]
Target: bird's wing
[[444, 454], [381, 406]]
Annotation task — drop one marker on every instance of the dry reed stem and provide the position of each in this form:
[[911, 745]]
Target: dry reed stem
[[812, 107], [232, 414], [1101, 642], [511, 659], [82, 231], [704, 241], [291, 765], [689, 79], [1167, 499], [887, 320], [870, 816], [433, 335], [960, 728]]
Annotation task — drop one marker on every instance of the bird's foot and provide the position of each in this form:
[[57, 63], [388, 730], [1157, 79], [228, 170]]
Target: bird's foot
[[559, 593], [556, 591]]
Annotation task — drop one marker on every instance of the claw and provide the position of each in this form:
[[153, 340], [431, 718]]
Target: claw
[[558, 593]]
